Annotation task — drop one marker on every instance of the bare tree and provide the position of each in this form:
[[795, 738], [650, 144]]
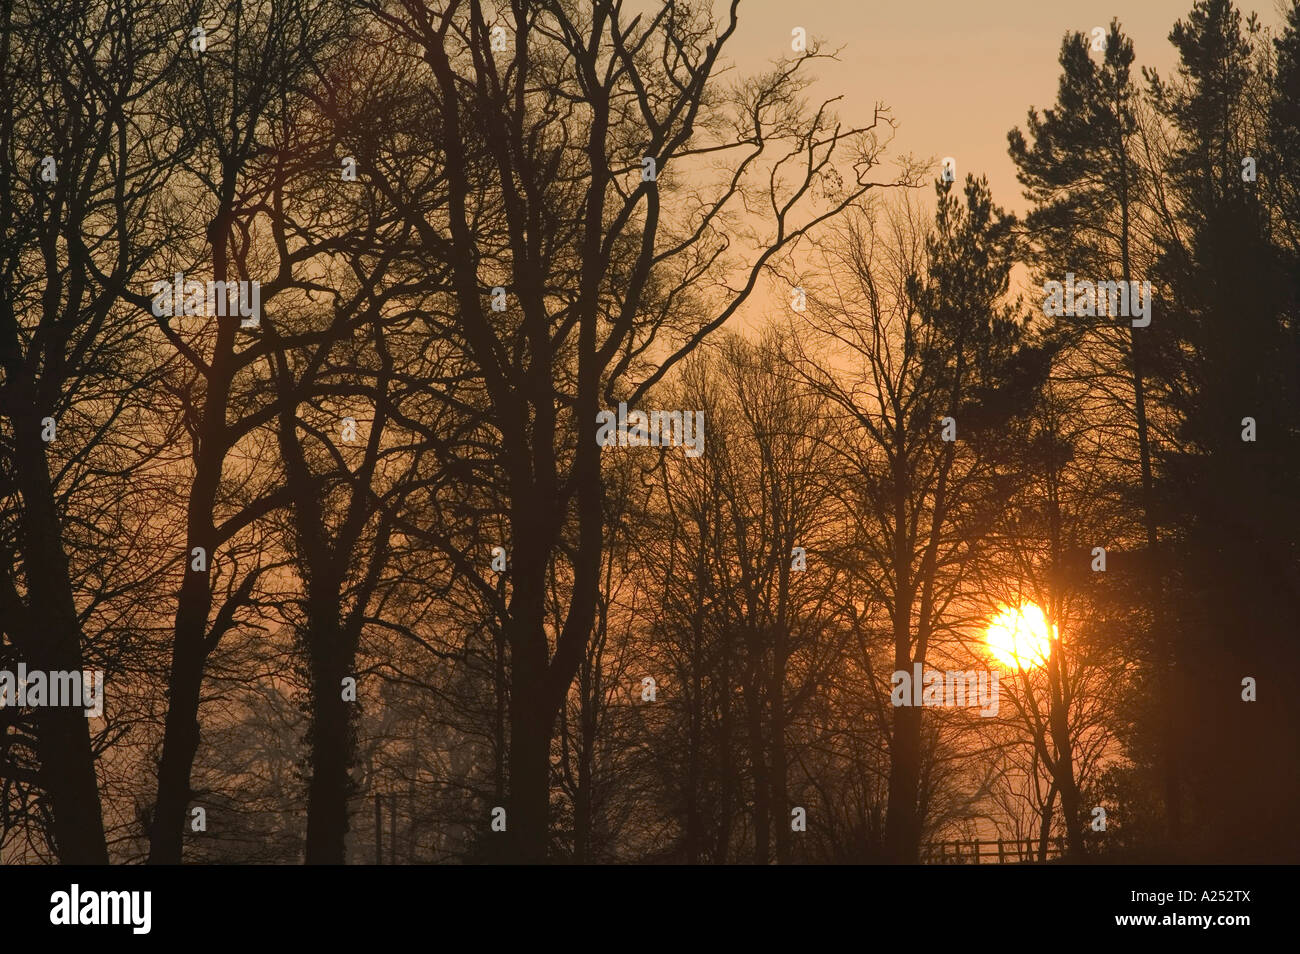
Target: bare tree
[[79, 175], [234, 85], [566, 137], [917, 318]]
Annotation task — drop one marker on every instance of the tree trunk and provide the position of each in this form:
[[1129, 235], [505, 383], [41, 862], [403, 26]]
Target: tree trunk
[[758, 765], [528, 821], [1064, 780], [1045, 826], [726, 759], [180, 743], [588, 689], [331, 749], [67, 770], [902, 828], [780, 797], [1164, 651], [694, 742], [190, 647]]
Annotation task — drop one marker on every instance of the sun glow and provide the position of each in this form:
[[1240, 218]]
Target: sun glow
[[1017, 637]]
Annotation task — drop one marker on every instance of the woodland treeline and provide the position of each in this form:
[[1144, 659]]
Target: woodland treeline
[[557, 207]]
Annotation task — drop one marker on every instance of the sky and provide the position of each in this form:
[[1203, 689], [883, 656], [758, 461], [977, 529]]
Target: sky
[[958, 74]]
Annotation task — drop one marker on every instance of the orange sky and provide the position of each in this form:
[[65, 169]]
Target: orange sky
[[958, 73]]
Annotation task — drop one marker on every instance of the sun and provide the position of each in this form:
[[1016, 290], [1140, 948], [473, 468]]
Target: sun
[[1017, 637]]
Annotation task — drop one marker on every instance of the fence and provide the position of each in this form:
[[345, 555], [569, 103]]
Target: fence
[[1000, 852]]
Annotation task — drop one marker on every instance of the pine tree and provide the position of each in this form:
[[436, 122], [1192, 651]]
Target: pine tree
[[1231, 497], [1083, 174]]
